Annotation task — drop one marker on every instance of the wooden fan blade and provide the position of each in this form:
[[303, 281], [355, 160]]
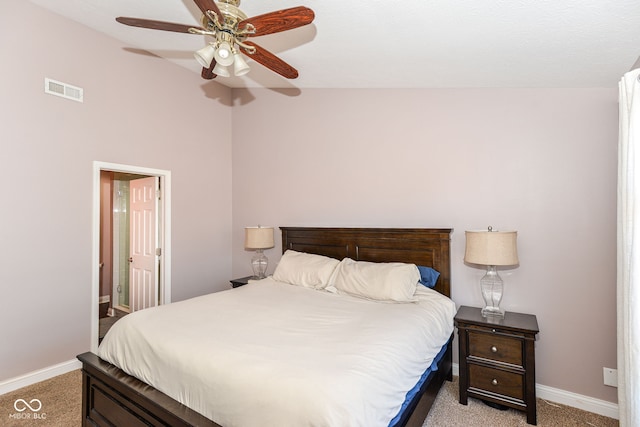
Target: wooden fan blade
[[156, 25], [205, 5], [271, 61], [207, 73], [280, 20]]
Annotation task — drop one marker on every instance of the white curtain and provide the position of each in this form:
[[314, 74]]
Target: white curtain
[[629, 251]]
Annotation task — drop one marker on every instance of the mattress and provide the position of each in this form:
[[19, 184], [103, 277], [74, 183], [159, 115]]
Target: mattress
[[274, 354]]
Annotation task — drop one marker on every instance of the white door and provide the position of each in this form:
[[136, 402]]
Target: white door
[[143, 276]]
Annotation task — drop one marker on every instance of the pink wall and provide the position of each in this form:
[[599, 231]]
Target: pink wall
[[139, 110], [540, 161]]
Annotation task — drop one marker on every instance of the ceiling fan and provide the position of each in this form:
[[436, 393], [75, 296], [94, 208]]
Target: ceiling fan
[[223, 20]]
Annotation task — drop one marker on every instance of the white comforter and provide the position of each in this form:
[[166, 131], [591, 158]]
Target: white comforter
[[273, 354]]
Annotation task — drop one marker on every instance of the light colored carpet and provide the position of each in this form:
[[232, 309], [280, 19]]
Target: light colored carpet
[[61, 399], [448, 412]]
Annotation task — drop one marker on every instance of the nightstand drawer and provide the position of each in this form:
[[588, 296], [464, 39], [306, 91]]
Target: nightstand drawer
[[496, 347], [496, 381]]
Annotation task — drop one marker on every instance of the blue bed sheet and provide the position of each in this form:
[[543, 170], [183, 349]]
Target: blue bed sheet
[[411, 393]]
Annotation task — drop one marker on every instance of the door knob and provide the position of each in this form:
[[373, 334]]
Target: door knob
[[130, 259]]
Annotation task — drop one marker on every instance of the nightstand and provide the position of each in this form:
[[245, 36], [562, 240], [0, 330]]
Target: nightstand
[[235, 283], [497, 359]]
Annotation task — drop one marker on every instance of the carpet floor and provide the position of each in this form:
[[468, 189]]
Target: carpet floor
[[61, 397], [60, 403], [448, 412]]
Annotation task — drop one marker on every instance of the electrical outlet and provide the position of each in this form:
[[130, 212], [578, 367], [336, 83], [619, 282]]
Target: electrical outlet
[[610, 377]]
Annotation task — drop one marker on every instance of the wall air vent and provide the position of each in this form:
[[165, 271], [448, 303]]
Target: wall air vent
[[64, 90]]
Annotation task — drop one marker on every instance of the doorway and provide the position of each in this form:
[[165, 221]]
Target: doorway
[[111, 257]]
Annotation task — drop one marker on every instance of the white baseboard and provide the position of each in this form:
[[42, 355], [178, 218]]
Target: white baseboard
[[39, 375], [586, 403]]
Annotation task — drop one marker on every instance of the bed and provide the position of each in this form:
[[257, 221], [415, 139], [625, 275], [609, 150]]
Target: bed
[[112, 397]]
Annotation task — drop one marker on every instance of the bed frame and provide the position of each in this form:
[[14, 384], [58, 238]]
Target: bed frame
[[110, 397]]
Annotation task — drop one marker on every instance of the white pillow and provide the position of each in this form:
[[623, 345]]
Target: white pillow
[[302, 269], [389, 281]]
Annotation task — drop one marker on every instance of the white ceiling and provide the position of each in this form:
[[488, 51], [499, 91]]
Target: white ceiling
[[405, 44]]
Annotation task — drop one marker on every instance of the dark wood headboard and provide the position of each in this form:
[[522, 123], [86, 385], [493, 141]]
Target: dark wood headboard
[[421, 246]]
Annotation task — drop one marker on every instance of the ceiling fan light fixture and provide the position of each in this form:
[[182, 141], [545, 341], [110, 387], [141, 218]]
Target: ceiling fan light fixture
[[230, 27], [205, 55], [221, 70], [223, 54], [240, 66]]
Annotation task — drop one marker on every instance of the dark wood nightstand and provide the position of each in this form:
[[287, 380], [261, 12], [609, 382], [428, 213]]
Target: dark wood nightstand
[[235, 283], [497, 359]]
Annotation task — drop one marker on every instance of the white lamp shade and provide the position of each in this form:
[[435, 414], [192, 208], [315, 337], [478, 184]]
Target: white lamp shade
[[223, 54], [205, 55], [240, 67], [491, 247], [221, 70], [258, 237]]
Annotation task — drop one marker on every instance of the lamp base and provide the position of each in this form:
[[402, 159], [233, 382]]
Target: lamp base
[[491, 287], [259, 264], [493, 312]]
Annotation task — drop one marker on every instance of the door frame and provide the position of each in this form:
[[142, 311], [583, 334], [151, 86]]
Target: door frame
[[165, 236]]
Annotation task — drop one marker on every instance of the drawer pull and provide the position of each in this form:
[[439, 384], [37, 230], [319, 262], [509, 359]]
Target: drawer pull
[[494, 381], [494, 349]]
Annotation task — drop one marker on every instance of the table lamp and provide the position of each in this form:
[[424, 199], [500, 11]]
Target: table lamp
[[258, 239], [492, 249]]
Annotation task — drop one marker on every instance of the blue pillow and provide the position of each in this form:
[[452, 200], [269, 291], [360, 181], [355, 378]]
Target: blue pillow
[[428, 276]]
